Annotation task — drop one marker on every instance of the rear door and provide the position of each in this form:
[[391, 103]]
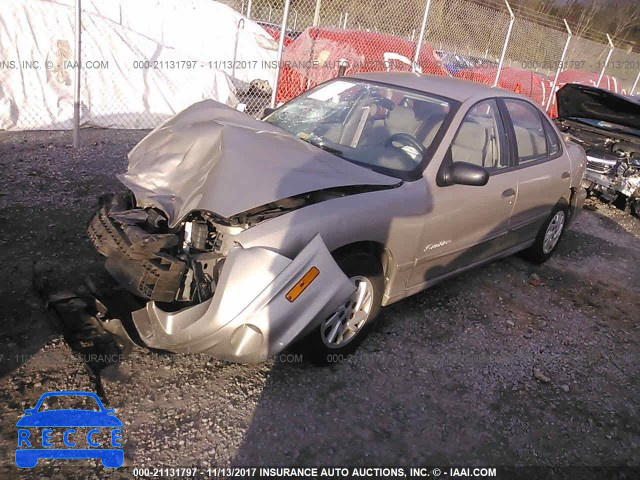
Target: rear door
[[468, 224], [543, 170]]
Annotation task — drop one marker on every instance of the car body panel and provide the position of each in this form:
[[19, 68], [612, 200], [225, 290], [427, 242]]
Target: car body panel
[[584, 101], [540, 186], [394, 218], [215, 158], [465, 224], [249, 318]]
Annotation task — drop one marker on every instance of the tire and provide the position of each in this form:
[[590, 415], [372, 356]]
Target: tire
[[620, 202], [548, 236], [635, 207], [323, 344]]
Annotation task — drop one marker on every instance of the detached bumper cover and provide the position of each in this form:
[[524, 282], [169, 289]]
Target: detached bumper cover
[[249, 318]]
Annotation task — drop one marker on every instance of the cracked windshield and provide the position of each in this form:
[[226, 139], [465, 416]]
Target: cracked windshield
[[382, 128]]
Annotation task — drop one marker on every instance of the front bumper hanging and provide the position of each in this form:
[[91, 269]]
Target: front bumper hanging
[[252, 315]]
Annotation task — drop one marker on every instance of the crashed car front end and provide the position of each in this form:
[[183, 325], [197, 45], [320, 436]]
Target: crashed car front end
[[612, 177], [607, 126], [204, 292], [173, 240]]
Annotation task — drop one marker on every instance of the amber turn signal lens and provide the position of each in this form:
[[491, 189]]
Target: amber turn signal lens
[[302, 284]]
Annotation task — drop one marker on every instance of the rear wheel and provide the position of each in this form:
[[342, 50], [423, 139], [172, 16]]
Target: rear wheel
[[342, 332], [548, 236]]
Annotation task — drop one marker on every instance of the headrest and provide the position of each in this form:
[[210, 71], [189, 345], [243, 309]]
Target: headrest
[[401, 120], [471, 135]]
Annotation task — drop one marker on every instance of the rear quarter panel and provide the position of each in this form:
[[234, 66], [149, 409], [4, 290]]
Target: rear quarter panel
[[578, 159]]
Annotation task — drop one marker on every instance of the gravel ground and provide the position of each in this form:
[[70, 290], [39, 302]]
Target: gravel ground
[[494, 367]]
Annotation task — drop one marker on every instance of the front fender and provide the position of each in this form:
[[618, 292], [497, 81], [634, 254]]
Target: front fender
[[249, 318]]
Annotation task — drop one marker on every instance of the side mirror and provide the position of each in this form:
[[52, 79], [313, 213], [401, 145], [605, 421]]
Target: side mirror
[[268, 111], [29, 411], [463, 173]]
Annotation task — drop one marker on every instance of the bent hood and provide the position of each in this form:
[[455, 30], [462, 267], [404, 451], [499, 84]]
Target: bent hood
[[212, 157], [583, 101]]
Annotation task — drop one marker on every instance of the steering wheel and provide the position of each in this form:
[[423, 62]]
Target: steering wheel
[[407, 140]]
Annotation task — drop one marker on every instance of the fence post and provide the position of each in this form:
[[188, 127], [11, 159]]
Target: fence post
[[506, 43], [76, 89], [564, 52], [606, 62], [283, 33], [316, 13], [249, 9], [423, 27], [239, 27], [635, 84]]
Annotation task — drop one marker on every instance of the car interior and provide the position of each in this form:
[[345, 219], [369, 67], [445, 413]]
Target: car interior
[[477, 139], [528, 128], [370, 129]]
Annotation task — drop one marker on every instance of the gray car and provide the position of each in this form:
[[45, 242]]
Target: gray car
[[244, 236]]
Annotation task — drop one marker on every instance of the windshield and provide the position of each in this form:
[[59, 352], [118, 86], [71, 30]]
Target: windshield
[[387, 129]]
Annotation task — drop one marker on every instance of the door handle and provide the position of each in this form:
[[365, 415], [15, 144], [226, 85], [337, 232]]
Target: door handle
[[509, 192], [566, 175]]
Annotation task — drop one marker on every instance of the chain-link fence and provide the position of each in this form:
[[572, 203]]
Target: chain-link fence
[[143, 61]]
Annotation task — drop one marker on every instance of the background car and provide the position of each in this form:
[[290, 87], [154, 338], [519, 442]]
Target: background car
[[607, 125]]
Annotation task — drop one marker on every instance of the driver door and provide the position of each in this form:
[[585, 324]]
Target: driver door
[[469, 224]]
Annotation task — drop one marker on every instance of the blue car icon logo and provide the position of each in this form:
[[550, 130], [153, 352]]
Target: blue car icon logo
[[69, 433]]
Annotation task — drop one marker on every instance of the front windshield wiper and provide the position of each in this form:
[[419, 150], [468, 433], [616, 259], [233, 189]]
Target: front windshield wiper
[[319, 142]]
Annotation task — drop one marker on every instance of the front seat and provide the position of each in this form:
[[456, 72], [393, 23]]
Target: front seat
[[401, 120], [470, 144]]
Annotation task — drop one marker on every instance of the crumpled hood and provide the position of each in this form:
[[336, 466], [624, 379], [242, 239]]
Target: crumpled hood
[[583, 101], [212, 157]]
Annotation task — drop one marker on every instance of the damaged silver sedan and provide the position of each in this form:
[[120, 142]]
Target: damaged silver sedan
[[244, 236]]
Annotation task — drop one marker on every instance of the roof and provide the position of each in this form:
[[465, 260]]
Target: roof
[[450, 87]]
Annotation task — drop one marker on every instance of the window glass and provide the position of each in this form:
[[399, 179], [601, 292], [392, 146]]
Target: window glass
[[527, 125], [384, 128], [552, 138], [478, 140]]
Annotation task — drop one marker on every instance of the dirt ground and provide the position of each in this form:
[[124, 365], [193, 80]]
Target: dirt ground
[[445, 378]]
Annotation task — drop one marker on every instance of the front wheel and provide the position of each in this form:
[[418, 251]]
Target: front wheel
[[635, 207], [342, 332], [548, 236]]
